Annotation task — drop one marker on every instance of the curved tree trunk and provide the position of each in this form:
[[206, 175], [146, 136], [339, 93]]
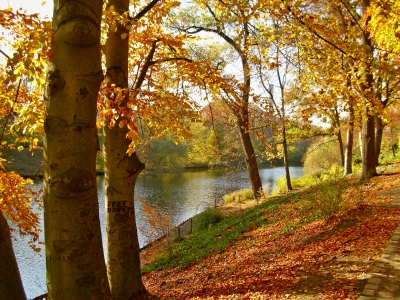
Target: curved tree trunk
[[74, 254], [123, 260], [121, 172], [251, 160], [10, 280]]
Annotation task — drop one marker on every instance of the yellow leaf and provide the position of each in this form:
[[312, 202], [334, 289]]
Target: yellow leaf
[[20, 148], [130, 151], [122, 123], [124, 36]]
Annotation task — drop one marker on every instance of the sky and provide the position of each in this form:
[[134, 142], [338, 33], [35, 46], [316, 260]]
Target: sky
[[31, 6]]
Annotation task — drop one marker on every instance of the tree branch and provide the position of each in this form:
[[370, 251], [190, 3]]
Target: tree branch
[[316, 33], [145, 10], [10, 113]]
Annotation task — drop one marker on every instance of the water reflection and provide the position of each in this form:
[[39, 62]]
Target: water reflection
[[182, 195]]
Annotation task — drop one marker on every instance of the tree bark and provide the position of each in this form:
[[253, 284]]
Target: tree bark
[[368, 131], [10, 280], [243, 116], [378, 137], [368, 147], [74, 254], [368, 126], [283, 116], [286, 161], [349, 143], [251, 160], [121, 172], [340, 140], [336, 122]]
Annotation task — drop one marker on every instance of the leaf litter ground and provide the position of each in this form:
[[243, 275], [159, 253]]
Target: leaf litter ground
[[292, 259]]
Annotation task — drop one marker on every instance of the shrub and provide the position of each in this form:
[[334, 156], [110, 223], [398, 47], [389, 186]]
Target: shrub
[[332, 173], [157, 225], [326, 199], [207, 218], [321, 155], [329, 199], [300, 182], [237, 196]]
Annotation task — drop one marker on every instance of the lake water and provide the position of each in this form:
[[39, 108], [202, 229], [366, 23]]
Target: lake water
[[182, 195]]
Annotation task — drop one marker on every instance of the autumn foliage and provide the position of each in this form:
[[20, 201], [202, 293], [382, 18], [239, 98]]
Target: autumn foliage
[[25, 57], [294, 254], [342, 59], [16, 202], [158, 225]]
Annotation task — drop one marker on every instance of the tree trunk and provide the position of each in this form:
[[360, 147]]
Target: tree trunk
[[341, 147], [368, 132], [251, 161], [336, 123], [378, 137], [286, 161], [10, 280], [368, 148], [368, 127], [121, 172], [74, 254], [349, 143]]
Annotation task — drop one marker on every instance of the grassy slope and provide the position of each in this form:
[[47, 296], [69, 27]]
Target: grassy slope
[[300, 246]]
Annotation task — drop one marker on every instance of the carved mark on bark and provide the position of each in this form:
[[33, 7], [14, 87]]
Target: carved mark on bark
[[137, 169], [55, 82], [61, 245], [76, 24], [72, 183], [83, 92], [58, 127], [121, 217], [111, 191], [52, 257], [83, 267], [87, 280], [120, 210], [125, 235], [80, 249], [116, 75]]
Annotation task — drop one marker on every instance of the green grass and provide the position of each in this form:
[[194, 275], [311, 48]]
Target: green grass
[[238, 196], [320, 201], [216, 238], [297, 183], [206, 219]]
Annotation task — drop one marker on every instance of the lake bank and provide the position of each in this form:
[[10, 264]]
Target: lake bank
[[182, 195], [285, 250]]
